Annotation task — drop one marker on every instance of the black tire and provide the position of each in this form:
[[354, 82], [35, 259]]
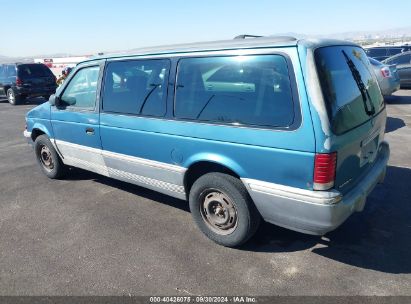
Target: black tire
[[48, 159], [239, 219], [13, 98]]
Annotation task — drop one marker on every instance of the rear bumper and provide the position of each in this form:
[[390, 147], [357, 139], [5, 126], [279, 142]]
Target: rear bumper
[[389, 86], [314, 212]]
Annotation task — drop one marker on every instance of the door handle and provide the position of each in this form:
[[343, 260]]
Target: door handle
[[89, 131]]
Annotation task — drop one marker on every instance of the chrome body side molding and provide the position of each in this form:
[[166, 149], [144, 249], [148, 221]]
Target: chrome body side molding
[[297, 194]]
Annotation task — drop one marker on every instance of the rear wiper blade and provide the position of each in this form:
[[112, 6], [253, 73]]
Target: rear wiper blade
[[361, 86]]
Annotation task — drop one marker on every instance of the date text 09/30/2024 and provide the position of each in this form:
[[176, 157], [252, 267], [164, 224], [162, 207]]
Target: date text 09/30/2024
[[203, 299]]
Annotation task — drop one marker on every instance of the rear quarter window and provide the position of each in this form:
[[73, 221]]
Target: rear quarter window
[[239, 90]]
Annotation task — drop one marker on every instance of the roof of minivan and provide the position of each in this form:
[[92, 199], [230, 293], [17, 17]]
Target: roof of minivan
[[248, 43]]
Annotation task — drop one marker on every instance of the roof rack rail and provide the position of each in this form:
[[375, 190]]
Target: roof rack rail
[[247, 36]]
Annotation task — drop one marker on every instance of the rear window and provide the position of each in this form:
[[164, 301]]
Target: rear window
[[349, 86], [33, 70], [240, 90]]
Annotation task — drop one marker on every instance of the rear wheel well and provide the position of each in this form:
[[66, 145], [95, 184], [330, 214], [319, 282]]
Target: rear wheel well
[[36, 133], [203, 167]]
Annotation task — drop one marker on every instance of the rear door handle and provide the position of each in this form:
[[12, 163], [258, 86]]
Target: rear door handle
[[89, 131]]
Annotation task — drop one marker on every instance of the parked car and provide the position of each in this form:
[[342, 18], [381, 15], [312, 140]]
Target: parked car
[[387, 76], [275, 128], [381, 53], [18, 81], [403, 62]]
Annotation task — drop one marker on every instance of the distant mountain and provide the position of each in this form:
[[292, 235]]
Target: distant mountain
[[383, 34], [6, 59], [359, 35]]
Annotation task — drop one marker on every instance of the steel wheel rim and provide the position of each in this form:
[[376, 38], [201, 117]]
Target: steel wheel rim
[[11, 97], [218, 211], [46, 158]]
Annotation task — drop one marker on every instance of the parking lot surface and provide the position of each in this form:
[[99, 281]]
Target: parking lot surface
[[90, 235]]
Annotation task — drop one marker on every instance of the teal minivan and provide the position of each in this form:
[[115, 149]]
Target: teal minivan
[[272, 128]]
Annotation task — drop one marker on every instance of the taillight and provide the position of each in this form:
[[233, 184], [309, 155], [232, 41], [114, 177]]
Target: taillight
[[19, 82], [324, 170], [385, 72]]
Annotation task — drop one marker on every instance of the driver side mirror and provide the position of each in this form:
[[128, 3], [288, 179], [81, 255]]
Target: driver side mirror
[[54, 100]]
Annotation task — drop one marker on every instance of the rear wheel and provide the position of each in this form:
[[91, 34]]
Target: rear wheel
[[223, 210], [48, 159], [12, 97]]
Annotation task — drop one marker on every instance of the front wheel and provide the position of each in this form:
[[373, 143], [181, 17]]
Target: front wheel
[[223, 209], [48, 159]]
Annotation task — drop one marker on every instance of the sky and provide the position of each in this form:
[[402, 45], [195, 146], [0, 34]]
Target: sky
[[81, 27]]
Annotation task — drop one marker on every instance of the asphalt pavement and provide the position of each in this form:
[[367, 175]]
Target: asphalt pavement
[[91, 235]]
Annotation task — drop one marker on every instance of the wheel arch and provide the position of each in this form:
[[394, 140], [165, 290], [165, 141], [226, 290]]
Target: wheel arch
[[204, 165], [38, 130]]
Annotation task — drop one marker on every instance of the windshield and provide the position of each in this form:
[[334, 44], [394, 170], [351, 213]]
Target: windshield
[[349, 86]]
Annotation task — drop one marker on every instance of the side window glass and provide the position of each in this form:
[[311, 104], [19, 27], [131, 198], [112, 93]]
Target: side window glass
[[240, 90], [81, 91], [136, 87]]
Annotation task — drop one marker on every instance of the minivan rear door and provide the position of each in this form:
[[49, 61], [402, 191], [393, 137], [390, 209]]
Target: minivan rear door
[[355, 108]]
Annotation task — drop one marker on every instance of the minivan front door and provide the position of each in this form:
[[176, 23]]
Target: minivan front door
[[75, 120]]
